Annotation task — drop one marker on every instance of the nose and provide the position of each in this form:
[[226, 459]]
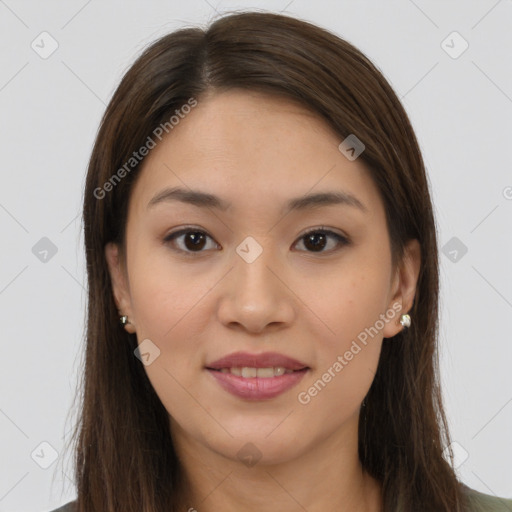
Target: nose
[[255, 295]]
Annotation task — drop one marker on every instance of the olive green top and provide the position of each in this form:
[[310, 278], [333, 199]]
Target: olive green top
[[479, 502]]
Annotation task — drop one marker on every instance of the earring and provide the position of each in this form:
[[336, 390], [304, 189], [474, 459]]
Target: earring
[[124, 320], [405, 320]]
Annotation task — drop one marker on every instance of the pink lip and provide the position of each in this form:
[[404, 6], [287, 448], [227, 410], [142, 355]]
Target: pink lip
[[257, 388], [265, 360]]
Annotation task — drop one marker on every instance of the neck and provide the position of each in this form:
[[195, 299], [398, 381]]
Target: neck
[[327, 476]]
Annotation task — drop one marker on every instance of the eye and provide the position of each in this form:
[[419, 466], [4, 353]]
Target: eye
[[194, 240], [317, 239]]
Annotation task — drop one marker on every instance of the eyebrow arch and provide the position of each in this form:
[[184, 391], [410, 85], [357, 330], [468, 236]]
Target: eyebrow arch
[[206, 200]]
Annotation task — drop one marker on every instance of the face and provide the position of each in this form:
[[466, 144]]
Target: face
[[204, 280]]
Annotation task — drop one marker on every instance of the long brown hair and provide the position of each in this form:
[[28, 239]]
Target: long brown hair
[[124, 458]]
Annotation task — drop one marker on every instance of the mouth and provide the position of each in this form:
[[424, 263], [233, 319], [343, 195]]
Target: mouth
[[257, 376]]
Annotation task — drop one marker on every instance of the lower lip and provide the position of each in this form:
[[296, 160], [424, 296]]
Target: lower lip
[[257, 388]]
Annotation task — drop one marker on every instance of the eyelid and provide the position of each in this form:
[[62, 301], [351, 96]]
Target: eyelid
[[184, 230], [325, 229]]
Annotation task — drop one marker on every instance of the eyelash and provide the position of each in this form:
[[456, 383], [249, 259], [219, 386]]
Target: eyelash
[[341, 240]]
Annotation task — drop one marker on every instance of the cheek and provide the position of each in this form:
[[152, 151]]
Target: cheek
[[351, 301], [347, 360], [170, 313], [165, 295], [351, 306], [172, 309]]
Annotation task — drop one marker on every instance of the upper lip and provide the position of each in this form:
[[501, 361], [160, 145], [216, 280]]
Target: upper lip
[[264, 360]]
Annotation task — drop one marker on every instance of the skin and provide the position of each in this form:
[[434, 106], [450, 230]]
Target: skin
[[256, 152]]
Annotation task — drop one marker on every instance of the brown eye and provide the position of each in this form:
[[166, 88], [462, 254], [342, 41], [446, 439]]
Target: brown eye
[[193, 240], [317, 240]]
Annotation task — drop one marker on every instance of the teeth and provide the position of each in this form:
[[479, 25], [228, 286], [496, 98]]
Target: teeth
[[263, 373], [249, 372]]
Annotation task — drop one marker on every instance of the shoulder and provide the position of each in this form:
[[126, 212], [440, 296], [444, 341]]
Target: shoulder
[[480, 502], [68, 507]]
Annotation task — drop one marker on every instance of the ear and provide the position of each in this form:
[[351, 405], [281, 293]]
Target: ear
[[403, 288], [119, 279]]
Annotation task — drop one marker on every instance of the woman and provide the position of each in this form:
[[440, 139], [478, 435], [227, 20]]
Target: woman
[[263, 285]]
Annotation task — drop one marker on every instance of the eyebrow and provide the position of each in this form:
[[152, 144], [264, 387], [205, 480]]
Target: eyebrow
[[206, 200]]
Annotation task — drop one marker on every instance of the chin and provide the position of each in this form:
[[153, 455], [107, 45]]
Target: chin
[[253, 446]]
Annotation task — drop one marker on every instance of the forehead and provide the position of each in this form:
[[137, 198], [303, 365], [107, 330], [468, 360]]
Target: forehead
[[253, 150]]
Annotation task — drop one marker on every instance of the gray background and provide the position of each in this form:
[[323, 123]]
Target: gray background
[[461, 109]]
